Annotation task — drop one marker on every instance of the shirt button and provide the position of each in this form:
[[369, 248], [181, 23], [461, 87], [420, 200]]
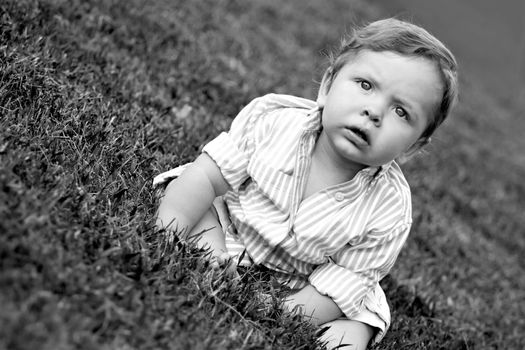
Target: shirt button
[[339, 196]]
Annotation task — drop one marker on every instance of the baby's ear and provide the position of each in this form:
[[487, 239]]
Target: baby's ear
[[324, 87]]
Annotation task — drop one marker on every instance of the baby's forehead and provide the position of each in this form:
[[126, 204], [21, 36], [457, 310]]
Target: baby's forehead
[[412, 80], [392, 63], [363, 56]]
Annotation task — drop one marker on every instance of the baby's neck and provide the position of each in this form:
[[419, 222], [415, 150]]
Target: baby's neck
[[332, 165], [326, 171]]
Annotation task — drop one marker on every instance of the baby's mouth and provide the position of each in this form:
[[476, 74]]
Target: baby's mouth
[[362, 134]]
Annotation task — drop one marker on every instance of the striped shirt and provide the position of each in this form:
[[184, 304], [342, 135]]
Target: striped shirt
[[343, 239]]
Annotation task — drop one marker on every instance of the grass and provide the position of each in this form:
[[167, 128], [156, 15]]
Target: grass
[[96, 97]]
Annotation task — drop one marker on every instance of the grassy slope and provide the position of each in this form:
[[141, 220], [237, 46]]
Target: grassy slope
[[97, 97]]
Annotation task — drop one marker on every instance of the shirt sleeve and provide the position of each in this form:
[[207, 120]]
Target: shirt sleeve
[[232, 150], [353, 272]]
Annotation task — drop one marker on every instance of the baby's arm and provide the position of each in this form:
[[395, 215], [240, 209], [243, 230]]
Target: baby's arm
[[317, 307], [188, 197]]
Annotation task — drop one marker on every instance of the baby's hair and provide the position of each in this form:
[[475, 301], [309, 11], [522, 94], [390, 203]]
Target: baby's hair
[[407, 39]]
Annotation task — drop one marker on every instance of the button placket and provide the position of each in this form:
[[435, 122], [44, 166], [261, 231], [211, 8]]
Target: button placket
[[301, 165], [296, 185]]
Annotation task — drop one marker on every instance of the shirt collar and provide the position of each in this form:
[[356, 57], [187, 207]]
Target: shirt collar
[[377, 171], [314, 119]]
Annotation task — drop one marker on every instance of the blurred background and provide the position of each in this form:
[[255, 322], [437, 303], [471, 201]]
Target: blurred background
[[490, 44]]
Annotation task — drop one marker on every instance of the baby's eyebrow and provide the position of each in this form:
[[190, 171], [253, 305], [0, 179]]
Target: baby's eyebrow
[[369, 76], [403, 101]]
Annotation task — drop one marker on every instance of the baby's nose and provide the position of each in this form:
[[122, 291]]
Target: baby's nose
[[374, 114]]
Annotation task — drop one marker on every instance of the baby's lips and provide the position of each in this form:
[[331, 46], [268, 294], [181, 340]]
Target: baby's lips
[[357, 137]]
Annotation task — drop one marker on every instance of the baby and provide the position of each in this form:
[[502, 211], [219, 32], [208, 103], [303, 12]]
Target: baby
[[312, 189]]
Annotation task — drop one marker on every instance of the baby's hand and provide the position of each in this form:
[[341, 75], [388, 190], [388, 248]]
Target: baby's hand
[[266, 303], [227, 262]]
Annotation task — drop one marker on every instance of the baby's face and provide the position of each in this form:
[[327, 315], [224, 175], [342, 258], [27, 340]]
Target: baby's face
[[378, 105]]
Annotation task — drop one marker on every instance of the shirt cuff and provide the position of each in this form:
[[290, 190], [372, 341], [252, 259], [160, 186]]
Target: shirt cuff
[[346, 288], [230, 160]]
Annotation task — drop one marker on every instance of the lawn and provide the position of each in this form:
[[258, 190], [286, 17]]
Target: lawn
[[97, 97]]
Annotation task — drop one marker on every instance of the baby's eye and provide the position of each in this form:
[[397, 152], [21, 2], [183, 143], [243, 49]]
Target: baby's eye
[[401, 112], [365, 85]]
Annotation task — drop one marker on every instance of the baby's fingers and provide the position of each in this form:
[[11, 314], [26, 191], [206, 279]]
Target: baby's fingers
[[226, 262], [225, 258]]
